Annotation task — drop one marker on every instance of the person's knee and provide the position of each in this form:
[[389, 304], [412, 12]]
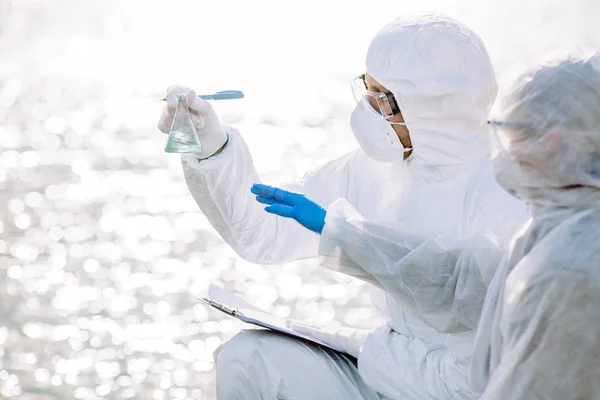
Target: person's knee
[[241, 350], [243, 367]]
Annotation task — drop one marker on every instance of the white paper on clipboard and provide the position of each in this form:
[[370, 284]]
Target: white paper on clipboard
[[239, 308]]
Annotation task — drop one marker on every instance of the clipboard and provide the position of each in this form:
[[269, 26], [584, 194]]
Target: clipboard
[[234, 306]]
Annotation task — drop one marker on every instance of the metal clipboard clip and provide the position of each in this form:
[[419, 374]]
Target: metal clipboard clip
[[222, 307]]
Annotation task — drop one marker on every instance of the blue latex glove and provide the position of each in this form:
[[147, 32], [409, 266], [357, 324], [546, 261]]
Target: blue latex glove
[[291, 205]]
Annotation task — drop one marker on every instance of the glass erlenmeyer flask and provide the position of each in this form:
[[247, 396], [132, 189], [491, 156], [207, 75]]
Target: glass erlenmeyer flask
[[183, 137]]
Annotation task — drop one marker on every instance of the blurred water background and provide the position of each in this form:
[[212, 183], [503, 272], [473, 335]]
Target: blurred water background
[[101, 246]]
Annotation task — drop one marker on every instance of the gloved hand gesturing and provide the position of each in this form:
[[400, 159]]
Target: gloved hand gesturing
[[348, 340], [291, 205], [205, 120]]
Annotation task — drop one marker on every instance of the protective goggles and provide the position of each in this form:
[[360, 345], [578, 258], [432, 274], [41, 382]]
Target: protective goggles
[[508, 134], [383, 103]]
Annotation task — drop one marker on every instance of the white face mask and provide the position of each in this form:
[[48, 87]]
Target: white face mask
[[376, 136]]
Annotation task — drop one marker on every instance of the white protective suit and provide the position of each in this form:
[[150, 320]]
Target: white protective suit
[[442, 200], [539, 334]]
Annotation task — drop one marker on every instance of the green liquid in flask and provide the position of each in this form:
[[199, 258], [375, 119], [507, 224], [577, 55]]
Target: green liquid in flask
[[183, 137]]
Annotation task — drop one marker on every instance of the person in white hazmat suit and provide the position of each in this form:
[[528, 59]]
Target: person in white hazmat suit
[[441, 195], [539, 334]]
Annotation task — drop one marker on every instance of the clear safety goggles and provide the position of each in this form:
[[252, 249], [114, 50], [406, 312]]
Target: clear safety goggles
[[382, 103], [509, 134]]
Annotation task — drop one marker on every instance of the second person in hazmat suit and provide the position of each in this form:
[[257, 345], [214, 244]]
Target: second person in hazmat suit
[[539, 333], [431, 85]]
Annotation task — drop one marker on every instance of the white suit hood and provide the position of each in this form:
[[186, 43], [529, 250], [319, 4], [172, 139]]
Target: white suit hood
[[443, 80]]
